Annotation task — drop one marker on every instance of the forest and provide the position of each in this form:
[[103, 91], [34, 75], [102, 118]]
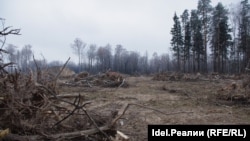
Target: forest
[[206, 39], [212, 38]]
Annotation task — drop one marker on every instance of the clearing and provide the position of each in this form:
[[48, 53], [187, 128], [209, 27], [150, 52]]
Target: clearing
[[164, 102]]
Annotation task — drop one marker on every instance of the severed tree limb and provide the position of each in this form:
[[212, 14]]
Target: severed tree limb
[[121, 83], [129, 104], [66, 96], [80, 133], [84, 132], [53, 94], [59, 73], [56, 136], [93, 121], [78, 107], [71, 113], [123, 136], [106, 127], [89, 84]]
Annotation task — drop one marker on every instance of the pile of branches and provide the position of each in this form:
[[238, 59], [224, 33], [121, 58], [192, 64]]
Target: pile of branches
[[238, 90], [31, 109], [176, 76], [107, 79], [235, 91]]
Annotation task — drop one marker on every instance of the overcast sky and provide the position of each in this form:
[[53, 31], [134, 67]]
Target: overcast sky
[[50, 26]]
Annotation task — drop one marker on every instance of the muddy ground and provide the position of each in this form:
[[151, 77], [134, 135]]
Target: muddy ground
[[165, 102]]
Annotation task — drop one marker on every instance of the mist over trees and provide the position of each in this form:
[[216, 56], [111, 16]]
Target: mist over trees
[[206, 39]]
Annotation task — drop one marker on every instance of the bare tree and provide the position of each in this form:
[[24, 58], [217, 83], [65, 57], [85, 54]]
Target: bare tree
[[78, 47], [26, 57], [11, 56], [118, 61], [91, 55], [155, 63], [4, 31], [165, 62], [132, 63], [143, 64], [104, 57], [11, 49]]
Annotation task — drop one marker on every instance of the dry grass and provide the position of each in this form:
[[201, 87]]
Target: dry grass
[[185, 102]]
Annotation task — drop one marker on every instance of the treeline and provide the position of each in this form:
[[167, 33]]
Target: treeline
[[94, 59], [103, 58], [212, 39], [22, 59], [206, 39]]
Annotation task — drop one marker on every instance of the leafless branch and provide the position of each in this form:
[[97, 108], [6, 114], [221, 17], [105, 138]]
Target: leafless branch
[[96, 126], [127, 106], [121, 83], [62, 69], [7, 31], [56, 136]]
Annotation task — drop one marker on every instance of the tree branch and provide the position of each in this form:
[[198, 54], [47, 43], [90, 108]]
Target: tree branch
[[4, 32]]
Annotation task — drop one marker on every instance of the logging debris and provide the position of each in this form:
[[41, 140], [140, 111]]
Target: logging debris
[[177, 76], [189, 77], [108, 79], [31, 109], [235, 91]]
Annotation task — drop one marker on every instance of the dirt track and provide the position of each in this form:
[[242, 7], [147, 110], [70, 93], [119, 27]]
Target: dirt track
[[175, 102]]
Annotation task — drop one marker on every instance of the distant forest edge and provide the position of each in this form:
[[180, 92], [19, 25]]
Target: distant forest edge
[[206, 39]]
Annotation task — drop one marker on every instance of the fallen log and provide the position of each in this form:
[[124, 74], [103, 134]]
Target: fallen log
[[56, 136], [67, 96], [121, 136]]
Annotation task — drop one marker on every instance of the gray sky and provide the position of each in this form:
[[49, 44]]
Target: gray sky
[[50, 26]]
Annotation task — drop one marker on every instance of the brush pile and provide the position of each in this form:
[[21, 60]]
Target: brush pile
[[31, 109], [176, 76], [108, 79], [237, 91]]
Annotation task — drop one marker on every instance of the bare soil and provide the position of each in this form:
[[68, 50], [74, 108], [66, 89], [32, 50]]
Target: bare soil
[[171, 102]]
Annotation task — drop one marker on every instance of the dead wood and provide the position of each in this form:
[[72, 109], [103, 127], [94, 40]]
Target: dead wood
[[121, 136], [81, 76], [7, 31], [121, 83], [31, 109], [61, 70], [123, 111], [234, 92], [108, 79], [56, 136], [67, 96]]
